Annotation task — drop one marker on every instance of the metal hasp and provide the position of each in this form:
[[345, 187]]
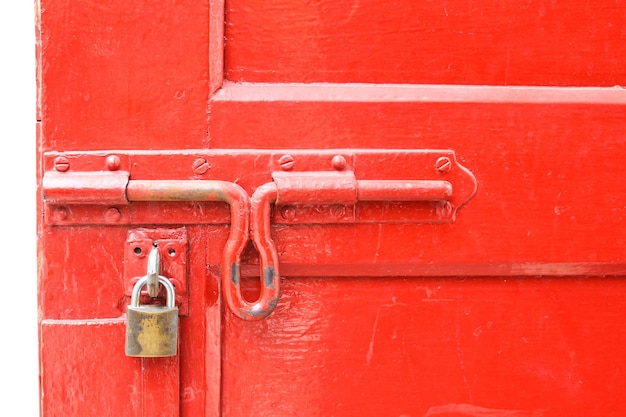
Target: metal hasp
[[331, 187], [170, 246], [69, 188], [207, 190], [313, 187]]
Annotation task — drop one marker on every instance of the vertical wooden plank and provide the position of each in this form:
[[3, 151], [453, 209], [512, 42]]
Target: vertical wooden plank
[[216, 44], [161, 386], [84, 371]]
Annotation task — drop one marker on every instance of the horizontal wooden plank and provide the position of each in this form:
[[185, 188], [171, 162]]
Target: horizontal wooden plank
[[431, 347], [550, 198], [512, 42], [415, 93]]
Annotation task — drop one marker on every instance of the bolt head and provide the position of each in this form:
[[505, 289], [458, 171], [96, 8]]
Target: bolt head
[[288, 213], [338, 211], [445, 209], [339, 162], [61, 213], [112, 214], [113, 162]]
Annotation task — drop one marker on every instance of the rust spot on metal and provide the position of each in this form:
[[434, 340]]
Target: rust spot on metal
[[268, 276], [235, 275]]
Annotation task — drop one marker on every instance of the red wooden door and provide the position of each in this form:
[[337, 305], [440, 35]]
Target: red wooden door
[[312, 125]]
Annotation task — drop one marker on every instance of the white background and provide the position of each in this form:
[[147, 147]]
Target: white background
[[19, 373]]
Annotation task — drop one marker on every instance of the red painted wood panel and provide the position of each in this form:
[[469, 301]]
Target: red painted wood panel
[[82, 306], [126, 76], [431, 347], [85, 372], [513, 309], [546, 162], [512, 42]]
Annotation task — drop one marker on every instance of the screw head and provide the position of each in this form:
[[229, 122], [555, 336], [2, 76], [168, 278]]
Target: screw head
[[61, 163], [339, 162], [113, 162], [286, 162], [288, 213], [200, 166], [61, 213], [443, 165], [445, 209], [338, 211], [112, 214]]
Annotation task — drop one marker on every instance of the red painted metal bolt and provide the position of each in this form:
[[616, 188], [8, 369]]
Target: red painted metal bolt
[[338, 211], [445, 209], [339, 162], [288, 213], [113, 162], [112, 215], [61, 213], [286, 162], [61, 163], [200, 166], [443, 165]]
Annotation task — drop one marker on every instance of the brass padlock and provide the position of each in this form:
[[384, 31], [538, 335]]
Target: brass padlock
[[152, 330]]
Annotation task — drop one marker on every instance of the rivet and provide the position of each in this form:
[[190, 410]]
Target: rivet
[[286, 162], [200, 166], [339, 162], [112, 215], [113, 162], [61, 213], [288, 213], [443, 165], [61, 163]]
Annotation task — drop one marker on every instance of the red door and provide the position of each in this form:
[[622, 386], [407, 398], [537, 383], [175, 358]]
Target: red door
[[366, 207]]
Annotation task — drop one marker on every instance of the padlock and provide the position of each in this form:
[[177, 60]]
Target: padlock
[[152, 330]]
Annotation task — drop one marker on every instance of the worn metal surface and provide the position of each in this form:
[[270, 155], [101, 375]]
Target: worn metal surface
[[152, 330], [184, 203]]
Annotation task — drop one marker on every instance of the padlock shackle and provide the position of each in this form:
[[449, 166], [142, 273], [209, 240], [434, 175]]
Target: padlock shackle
[[142, 282]]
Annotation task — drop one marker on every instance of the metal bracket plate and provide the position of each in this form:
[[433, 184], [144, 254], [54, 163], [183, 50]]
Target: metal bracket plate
[[251, 169], [173, 248]]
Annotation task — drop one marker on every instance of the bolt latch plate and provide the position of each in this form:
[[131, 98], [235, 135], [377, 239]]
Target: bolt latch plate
[[173, 247]]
